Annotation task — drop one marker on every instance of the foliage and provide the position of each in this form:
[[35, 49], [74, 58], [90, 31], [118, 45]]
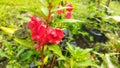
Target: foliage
[[81, 48]]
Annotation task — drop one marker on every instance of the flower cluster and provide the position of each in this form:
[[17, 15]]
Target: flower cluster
[[68, 13], [43, 34]]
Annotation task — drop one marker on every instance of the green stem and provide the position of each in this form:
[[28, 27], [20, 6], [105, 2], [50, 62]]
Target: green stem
[[107, 4], [49, 14], [53, 62], [98, 6], [47, 25], [42, 57]]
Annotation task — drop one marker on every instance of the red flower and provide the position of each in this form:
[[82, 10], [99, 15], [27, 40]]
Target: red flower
[[34, 23], [38, 30], [55, 36], [59, 12], [39, 34], [68, 15], [70, 7], [43, 34]]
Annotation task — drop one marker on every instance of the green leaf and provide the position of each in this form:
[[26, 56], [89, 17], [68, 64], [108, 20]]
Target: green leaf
[[9, 66], [85, 51], [72, 63], [56, 49], [24, 43], [70, 21], [61, 8], [44, 3], [117, 44], [38, 63], [86, 63], [3, 54], [38, 12], [101, 55], [7, 30], [26, 55], [46, 59], [110, 65], [55, 2], [9, 47], [62, 58], [45, 11], [70, 49], [22, 49], [12, 66]]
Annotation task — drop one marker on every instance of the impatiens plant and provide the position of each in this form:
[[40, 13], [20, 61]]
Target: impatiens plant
[[41, 29], [67, 11], [43, 34]]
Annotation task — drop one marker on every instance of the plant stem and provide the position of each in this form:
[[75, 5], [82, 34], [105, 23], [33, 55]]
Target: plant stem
[[107, 4], [42, 57], [47, 25], [98, 6], [53, 62], [49, 14]]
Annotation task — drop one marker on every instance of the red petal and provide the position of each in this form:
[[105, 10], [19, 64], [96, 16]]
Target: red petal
[[68, 15], [37, 46]]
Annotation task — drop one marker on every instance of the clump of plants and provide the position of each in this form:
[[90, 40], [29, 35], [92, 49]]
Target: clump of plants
[[58, 34]]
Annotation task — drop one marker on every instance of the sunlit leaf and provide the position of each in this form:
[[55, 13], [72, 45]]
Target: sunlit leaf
[[70, 21], [56, 49], [55, 2], [44, 3], [21, 51], [44, 11], [61, 8], [9, 47], [72, 63], [24, 43], [70, 49], [38, 12], [7, 30], [38, 63], [46, 60], [110, 65], [3, 54], [86, 63], [26, 55]]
